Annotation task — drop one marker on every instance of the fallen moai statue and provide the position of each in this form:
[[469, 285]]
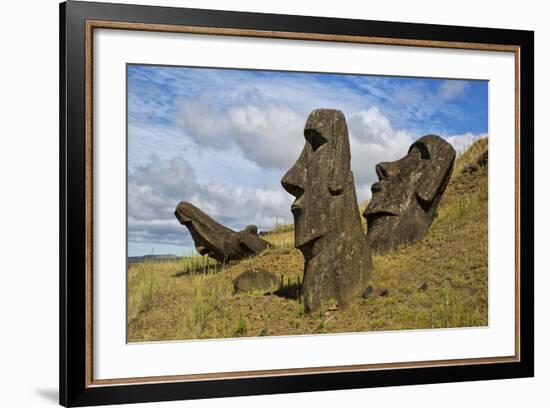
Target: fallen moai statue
[[217, 241]]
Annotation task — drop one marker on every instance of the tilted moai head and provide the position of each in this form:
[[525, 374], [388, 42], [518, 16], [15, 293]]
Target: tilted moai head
[[326, 217], [216, 240], [405, 199]]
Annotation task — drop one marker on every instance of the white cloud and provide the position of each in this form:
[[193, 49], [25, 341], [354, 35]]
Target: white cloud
[[155, 189], [268, 136], [196, 117], [453, 89], [462, 142], [265, 132], [373, 140], [224, 138], [271, 136]]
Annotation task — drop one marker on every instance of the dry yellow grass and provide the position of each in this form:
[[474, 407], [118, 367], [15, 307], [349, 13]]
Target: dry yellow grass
[[191, 299]]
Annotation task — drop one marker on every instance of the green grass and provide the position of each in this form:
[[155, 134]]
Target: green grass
[[281, 227], [192, 298]]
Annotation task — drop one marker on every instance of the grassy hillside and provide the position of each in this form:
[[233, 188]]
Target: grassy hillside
[[440, 281]]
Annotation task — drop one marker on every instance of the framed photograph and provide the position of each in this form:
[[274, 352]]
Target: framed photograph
[[257, 204]]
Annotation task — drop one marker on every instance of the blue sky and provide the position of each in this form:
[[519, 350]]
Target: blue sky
[[223, 138]]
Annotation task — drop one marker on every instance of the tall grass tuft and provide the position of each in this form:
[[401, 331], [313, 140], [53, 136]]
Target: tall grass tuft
[[281, 227], [241, 325], [147, 293]]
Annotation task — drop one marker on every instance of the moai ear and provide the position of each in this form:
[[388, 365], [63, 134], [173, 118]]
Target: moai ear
[[434, 179], [340, 165]]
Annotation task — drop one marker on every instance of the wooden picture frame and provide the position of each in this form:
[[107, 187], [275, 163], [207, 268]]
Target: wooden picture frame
[[78, 20]]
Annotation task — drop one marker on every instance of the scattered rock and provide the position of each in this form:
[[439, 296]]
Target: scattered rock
[[367, 292], [405, 199], [384, 292], [327, 225], [263, 332], [255, 280], [217, 241], [423, 287]]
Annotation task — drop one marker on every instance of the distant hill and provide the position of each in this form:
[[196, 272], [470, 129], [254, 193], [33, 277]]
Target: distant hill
[[152, 258]]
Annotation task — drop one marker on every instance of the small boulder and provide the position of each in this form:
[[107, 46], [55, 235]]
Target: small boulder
[[255, 280], [367, 292]]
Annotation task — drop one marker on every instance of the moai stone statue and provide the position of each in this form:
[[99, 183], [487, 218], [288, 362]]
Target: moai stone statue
[[216, 240], [327, 222], [405, 199]]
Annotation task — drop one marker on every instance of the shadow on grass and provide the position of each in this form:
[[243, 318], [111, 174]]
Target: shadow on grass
[[289, 291], [200, 270]]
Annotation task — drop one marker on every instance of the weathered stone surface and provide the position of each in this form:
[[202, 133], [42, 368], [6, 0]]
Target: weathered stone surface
[[405, 199], [327, 224], [216, 240], [255, 280], [252, 229]]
